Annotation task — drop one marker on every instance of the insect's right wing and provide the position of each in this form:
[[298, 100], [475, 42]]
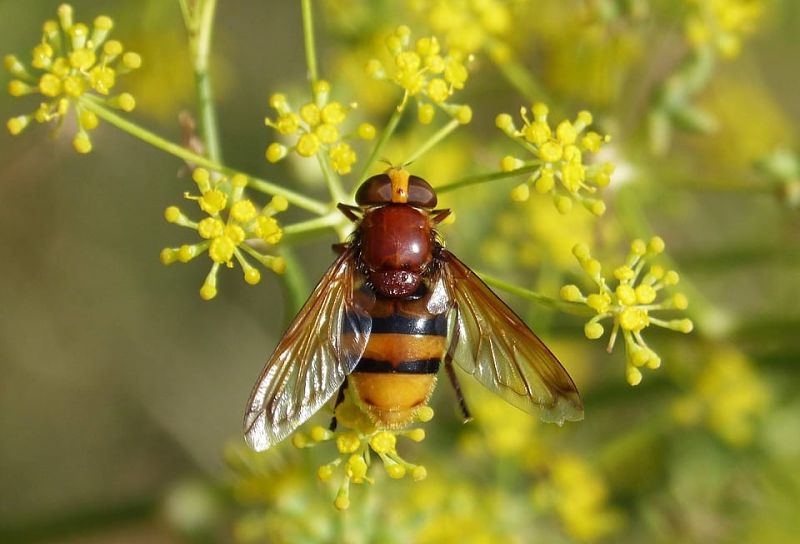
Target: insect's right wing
[[494, 345], [321, 347]]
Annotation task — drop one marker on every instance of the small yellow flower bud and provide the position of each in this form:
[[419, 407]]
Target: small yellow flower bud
[[243, 211], [593, 331], [320, 434], [545, 182], [671, 278], [299, 441], [209, 228], [654, 361], [626, 295], [639, 356], [19, 88], [208, 291], [125, 102], [623, 273], [563, 204], [49, 85], [584, 119], [325, 472], [168, 256], [103, 22], [17, 124], [366, 131], [571, 293], [348, 442], [239, 181], [656, 245], [463, 115], [112, 49], [424, 414], [278, 265], [633, 319], [131, 60], [342, 501], [419, 473], [581, 252], [235, 233], [540, 111], [356, 468], [638, 247], [252, 275], [327, 133], [212, 202], [307, 145], [172, 214], [682, 325], [310, 113], [186, 253], [633, 375], [279, 102], [645, 294], [82, 143], [322, 89], [551, 151], [679, 301], [505, 123], [88, 120], [537, 133], [566, 133], [275, 152], [383, 442], [426, 113], [279, 203], [221, 249], [395, 471], [597, 207], [520, 193], [375, 69], [598, 302], [417, 435], [510, 163], [438, 90]]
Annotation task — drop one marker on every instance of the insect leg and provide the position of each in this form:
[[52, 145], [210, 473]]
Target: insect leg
[[350, 212], [451, 371], [339, 400], [437, 216]]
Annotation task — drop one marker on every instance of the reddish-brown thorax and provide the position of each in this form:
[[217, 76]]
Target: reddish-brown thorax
[[396, 247]]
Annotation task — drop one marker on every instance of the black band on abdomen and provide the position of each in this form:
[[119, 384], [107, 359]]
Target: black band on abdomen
[[400, 324], [423, 366]]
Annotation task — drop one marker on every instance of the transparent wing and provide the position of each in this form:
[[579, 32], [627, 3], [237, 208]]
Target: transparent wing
[[321, 347], [493, 344]]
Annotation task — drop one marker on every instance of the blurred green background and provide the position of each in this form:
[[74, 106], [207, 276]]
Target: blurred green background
[[120, 387]]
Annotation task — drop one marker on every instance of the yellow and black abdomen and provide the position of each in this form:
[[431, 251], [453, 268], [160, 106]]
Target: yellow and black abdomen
[[397, 372]]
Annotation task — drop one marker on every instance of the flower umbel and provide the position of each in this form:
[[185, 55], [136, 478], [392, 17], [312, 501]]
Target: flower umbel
[[559, 158], [73, 63], [356, 443], [722, 24], [317, 128], [234, 225], [630, 303], [426, 73]]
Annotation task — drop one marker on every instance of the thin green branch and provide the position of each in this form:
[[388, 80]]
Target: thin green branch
[[296, 199], [386, 134], [200, 41], [437, 137], [483, 178], [308, 37], [544, 300], [312, 228], [332, 180]]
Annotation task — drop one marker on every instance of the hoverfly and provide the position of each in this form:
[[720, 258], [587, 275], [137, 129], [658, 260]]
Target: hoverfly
[[393, 306]]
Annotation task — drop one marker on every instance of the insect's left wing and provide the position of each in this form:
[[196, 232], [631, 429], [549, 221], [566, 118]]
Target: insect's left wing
[[494, 345], [321, 347]]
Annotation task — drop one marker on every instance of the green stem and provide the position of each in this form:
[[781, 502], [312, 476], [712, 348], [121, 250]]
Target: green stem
[[201, 49], [332, 180], [437, 137], [295, 283], [544, 300], [308, 37], [297, 199], [311, 228], [391, 126], [483, 178]]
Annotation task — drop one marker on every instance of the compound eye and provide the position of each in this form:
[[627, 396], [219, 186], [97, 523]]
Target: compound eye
[[375, 191], [420, 193]]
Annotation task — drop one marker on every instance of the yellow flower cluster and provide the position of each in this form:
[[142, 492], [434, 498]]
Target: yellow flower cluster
[[722, 24], [630, 303], [72, 64], [558, 160], [354, 443], [425, 73], [466, 24], [317, 128], [579, 496], [234, 225], [728, 397]]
